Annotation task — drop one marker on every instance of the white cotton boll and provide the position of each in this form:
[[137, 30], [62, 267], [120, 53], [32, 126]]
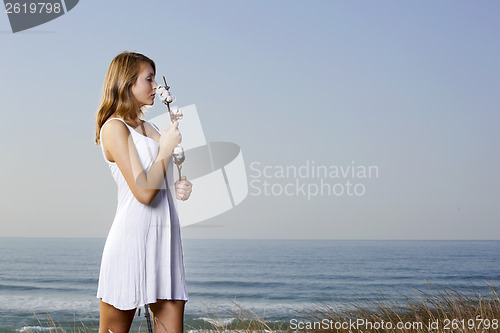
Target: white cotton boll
[[164, 97], [162, 93], [178, 154], [178, 114], [160, 89], [178, 150]]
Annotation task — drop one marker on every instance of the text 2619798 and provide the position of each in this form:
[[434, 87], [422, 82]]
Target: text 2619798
[[32, 8]]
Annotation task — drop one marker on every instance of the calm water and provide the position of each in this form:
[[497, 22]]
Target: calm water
[[276, 277]]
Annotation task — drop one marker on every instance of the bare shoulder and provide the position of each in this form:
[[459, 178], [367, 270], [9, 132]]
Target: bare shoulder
[[113, 131]]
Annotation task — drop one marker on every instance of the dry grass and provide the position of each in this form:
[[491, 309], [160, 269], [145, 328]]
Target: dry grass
[[443, 311], [446, 311], [54, 326]]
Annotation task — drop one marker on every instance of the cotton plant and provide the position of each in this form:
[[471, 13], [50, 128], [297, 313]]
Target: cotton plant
[[175, 113]]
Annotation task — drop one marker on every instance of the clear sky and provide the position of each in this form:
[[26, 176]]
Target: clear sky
[[410, 87]]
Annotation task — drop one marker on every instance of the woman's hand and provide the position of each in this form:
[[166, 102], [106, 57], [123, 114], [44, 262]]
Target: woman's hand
[[170, 138], [183, 189]]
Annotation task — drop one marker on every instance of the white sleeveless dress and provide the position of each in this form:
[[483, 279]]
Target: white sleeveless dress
[[142, 259]]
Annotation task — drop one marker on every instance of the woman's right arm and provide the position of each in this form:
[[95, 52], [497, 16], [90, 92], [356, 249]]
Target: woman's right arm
[[119, 144]]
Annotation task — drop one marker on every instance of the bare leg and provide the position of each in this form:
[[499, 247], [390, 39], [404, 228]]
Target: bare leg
[[114, 320], [168, 316]]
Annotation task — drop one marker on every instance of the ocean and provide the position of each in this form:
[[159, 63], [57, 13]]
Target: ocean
[[57, 277]]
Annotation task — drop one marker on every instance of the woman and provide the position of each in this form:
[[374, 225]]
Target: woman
[[142, 261]]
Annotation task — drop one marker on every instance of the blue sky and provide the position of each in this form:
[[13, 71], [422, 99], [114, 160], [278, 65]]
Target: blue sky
[[411, 87]]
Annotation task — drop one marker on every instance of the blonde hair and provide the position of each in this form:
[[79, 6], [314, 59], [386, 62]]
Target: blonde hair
[[117, 96]]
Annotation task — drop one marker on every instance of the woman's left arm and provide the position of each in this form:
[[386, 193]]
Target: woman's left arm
[[183, 189]]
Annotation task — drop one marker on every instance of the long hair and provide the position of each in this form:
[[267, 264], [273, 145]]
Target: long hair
[[117, 96]]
